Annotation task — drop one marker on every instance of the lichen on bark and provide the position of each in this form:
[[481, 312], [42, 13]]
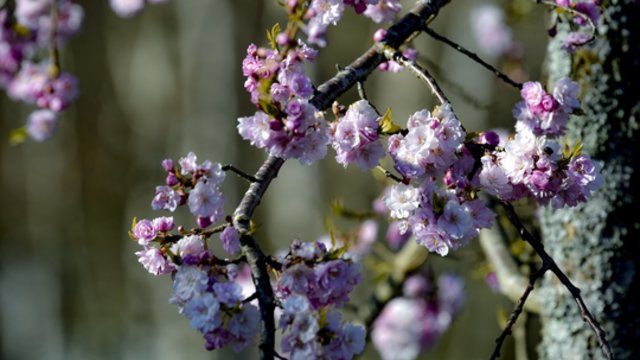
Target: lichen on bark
[[598, 243]]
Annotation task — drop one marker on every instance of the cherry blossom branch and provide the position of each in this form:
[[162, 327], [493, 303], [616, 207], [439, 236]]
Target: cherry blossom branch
[[240, 173], [454, 88], [422, 73], [324, 96], [390, 175], [358, 70], [549, 264], [502, 76]]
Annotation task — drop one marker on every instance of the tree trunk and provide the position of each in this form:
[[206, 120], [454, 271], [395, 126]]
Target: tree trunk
[[598, 243]]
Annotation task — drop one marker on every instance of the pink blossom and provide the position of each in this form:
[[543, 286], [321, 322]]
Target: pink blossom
[[153, 260]]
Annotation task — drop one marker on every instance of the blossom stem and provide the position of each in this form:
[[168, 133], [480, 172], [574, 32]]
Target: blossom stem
[[422, 73], [240, 173], [502, 76]]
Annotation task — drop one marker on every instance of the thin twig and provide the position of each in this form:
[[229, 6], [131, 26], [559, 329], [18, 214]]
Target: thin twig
[[361, 91], [250, 298], [240, 173], [454, 87], [390, 175], [279, 356], [549, 263], [502, 76], [518, 310], [422, 73]]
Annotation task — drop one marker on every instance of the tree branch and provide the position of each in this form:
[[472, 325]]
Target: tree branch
[[422, 73], [325, 95], [473, 57]]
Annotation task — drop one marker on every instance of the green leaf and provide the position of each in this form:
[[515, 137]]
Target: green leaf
[[577, 149], [18, 136], [133, 225], [387, 126], [272, 34], [567, 151]]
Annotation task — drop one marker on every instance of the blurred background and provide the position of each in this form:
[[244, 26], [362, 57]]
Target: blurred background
[[166, 82]]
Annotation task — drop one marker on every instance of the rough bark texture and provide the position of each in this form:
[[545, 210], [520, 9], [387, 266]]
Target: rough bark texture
[[598, 244]]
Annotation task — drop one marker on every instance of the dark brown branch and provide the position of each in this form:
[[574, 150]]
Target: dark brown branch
[[517, 311], [264, 292], [240, 173], [473, 57], [324, 96], [369, 61], [550, 264], [250, 298]]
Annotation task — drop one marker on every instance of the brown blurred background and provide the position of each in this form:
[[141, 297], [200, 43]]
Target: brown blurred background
[[166, 82]]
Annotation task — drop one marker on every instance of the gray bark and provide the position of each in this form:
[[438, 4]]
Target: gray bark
[[597, 244]]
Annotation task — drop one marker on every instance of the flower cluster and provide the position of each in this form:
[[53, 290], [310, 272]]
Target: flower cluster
[[432, 148], [196, 185], [310, 335], [25, 35], [154, 259], [439, 219], [287, 125], [355, 136], [590, 9], [322, 276], [214, 305], [322, 13], [411, 323], [128, 8], [531, 164], [543, 113], [209, 291], [430, 145], [313, 282]]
